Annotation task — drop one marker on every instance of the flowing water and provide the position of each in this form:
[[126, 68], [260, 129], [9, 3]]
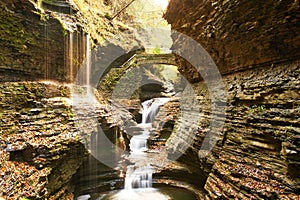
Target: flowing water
[[71, 57], [83, 75], [138, 176], [163, 193], [88, 60]]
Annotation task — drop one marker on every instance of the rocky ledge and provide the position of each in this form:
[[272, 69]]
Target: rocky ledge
[[256, 48], [257, 152], [44, 138]]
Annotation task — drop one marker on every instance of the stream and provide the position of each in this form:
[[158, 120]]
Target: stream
[[139, 175], [138, 170]]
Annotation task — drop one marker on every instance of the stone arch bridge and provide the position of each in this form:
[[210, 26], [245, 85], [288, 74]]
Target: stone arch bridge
[[141, 59]]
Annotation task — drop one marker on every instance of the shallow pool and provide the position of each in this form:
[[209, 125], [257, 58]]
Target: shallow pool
[[164, 193]]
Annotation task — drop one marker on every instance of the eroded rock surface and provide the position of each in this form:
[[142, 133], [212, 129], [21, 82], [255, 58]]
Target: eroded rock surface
[[38, 43], [238, 35], [257, 152], [45, 135]]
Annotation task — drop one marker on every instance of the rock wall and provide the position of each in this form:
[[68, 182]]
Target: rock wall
[[45, 39], [45, 136], [258, 144], [238, 34], [40, 44], [113, 40], [38, 154], [256, 48]]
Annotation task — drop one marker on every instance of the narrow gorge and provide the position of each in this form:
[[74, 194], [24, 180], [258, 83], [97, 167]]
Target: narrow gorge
[[149, 99]]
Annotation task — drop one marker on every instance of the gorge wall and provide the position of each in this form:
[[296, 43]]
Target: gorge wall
[[238, 34], [46, 133], [40, 44], [45, 39], [43, 138], [255, 46]]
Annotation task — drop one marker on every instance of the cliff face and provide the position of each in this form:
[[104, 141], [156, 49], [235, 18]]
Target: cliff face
[[37, 43], [259, 141], [256, 48], [45, 39], [45, 134], [38, 154], [43, 138], [238, 34]]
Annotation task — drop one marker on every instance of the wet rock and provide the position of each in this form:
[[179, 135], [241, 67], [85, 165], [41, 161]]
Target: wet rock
[[43, 138], [36, 41]]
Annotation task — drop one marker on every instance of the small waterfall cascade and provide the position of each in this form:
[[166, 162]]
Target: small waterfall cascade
[[138, 143], [151, 108], [83, 75], [71, 57], [88, 60], [141, 177], [138, 178]]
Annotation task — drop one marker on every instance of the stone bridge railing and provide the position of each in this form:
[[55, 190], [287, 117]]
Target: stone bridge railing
[[168, 59], [142, 59]]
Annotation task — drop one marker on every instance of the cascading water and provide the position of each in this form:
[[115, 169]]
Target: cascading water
[[138, 178], [147, 109], [141, 176], [71, 56], [88, 60], [138, 143]]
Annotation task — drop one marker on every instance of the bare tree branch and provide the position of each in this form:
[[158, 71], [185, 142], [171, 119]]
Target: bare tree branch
[[120, 11]]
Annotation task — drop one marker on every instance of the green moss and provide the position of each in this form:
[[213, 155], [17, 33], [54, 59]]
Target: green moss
[[257, 109], [14, 34], [43, 17], [63, 25], [108, 16], [24, 198], [155, 50], [65, 91], [111, 79], [49, 1]]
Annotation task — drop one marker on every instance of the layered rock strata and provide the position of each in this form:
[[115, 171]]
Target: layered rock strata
[[51, 40], [45, 137], [238, 35], [40, 44], [256, 49]]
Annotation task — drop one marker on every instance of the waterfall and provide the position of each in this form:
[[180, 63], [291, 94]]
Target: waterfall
[[46, 46], [141, 177], [83, 74], [88, 60], [138, 143], [138, 178], [151, 108], [148, 111], [71, 57]]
